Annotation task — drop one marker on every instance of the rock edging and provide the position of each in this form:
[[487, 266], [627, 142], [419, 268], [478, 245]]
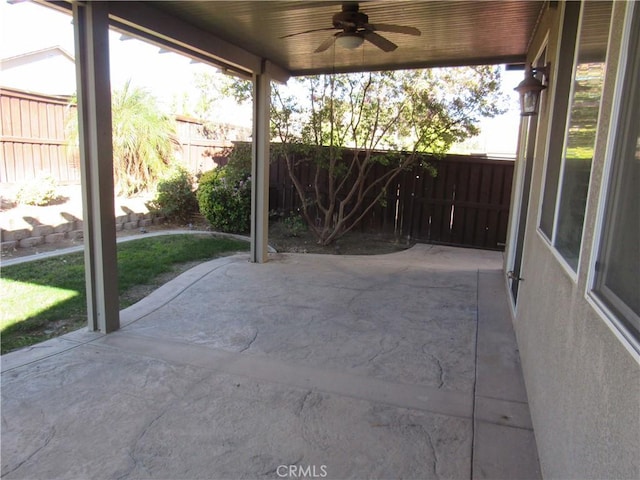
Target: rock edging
[[69, 228]]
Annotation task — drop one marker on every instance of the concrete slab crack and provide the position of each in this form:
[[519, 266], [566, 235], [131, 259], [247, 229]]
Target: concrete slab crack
[[133, 448], [248, 346], [302, 402], [435, 360], [5, 424], [47, 440], [379, 353], [433, 451], [423, 430], [384, 352], [440, 371]]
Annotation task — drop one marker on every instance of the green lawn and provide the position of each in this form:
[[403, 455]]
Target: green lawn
[[46, 298]]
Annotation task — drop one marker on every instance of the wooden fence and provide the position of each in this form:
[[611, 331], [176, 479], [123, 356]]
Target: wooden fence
[[465, 204], [33, 140], [205, 147]]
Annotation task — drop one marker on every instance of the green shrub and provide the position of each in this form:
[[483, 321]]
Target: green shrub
[[226, 204], [211, 176], [38, 191], [238, 167], [295, 225], [175, 197]]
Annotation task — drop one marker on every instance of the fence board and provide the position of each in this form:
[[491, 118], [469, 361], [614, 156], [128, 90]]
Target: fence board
[[5, 113], [8, 161], [34, 124], [59, 122], [25, 123], [43, 126], [16, 129], [51, 121]]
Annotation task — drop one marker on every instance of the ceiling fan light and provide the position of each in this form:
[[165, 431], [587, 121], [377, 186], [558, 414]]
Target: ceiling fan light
[[350, 41]]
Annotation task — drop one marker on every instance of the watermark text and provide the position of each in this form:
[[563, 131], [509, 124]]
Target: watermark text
[[301, 471]]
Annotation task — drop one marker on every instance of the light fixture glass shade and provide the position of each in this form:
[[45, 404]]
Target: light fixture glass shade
[[529, 103], [529, 90], [350, 41]]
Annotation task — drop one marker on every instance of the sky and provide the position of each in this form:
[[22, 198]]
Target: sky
[[26, 27]]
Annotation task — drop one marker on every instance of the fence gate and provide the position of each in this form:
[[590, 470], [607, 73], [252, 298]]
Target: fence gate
[[466, 204]]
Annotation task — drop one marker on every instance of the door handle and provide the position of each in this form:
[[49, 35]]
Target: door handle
[[512, 276]]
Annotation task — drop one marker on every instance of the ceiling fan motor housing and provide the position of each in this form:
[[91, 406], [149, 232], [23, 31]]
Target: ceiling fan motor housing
[[349, 19], [354, 28]]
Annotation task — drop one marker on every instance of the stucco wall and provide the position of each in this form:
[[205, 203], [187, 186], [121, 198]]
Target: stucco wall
[[582, 383]]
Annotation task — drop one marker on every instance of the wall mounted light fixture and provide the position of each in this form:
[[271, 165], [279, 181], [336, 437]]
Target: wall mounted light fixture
[[530, 89]]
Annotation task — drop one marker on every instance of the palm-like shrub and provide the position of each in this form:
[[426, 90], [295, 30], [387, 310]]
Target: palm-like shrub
[[144, 140]]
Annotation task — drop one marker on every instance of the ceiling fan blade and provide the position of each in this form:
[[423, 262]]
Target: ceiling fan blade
[[326, 44], [308, 31], [380, 42], [385, 27]]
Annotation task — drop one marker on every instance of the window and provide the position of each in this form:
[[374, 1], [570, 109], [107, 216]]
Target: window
[[617, 276], [572, 186], [559, 112]]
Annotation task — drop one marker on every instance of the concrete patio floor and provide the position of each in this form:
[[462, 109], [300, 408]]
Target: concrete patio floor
[[309, 366]]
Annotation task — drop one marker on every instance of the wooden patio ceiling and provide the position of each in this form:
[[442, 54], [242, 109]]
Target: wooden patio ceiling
[[239, 35], [453, 32]]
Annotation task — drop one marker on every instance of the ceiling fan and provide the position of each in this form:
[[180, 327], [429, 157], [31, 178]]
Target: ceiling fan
[[354, 28]]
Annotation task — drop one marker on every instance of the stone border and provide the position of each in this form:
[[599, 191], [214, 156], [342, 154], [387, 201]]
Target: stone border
[[69, 230]]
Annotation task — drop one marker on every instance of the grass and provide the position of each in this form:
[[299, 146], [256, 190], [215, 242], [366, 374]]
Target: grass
[[46, 298]]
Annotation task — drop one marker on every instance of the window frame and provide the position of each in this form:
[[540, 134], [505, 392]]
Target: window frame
[[564, 118], [563, 79], [609, 186]]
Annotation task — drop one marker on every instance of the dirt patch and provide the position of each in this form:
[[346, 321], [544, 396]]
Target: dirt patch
[[353, 243]]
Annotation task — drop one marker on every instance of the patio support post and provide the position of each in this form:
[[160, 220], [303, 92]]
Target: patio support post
[[260, 167], [91, 30]]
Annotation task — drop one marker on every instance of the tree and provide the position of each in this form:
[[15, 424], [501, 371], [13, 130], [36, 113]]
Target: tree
[[403, 112], [144, 139], [386, 118]]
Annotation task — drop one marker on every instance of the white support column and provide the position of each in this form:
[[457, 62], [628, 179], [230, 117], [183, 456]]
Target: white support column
[[91, 27], [260, 167]]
